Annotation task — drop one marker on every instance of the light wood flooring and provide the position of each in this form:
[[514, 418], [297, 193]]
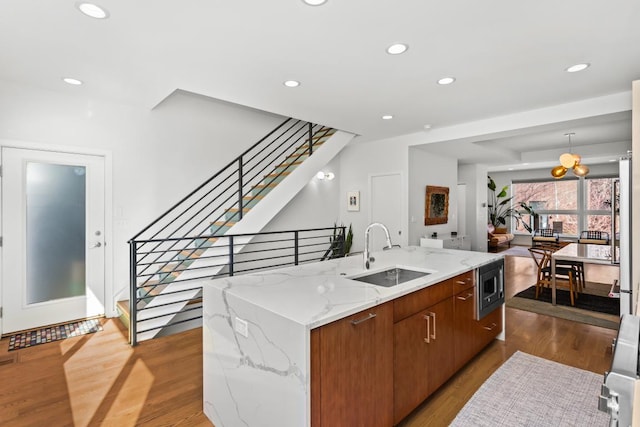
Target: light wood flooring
[[98, 380]]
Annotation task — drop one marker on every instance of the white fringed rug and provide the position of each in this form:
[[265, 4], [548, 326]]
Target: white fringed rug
[[530, 391]]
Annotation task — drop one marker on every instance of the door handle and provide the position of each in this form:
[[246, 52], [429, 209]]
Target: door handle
[[95, 245]]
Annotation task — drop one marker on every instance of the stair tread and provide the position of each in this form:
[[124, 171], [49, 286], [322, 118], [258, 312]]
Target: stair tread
[[192, 253], [278, 174], [271, 184], [235, 210], [123, 306], [223, 224]]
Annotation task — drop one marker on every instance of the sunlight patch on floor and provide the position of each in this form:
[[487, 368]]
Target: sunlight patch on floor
[[89, 383], [131, 399]]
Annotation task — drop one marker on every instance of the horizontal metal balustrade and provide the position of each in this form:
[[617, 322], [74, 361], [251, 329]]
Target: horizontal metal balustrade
[[188, 243]]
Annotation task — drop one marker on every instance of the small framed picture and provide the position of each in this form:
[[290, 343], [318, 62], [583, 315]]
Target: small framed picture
[[353, 200]]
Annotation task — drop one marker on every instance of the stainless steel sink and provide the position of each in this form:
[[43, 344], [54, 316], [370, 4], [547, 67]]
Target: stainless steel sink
[[391, 277]]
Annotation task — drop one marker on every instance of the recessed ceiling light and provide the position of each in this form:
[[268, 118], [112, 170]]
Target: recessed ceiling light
[[525, 164], [92, 10], [315, 2], [387, 117], [612, 160], [577, 67], [397, 49], [510, 169], [427, 127], [72, 81], [446, 80], [292, 83]]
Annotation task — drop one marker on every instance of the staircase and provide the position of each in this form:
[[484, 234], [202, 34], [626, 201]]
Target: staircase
[[199, 237]]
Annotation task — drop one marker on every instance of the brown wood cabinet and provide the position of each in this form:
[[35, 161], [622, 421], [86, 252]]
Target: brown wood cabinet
[[423, 343], [373, 368], [465, 327], [352, 370], [471, 335]]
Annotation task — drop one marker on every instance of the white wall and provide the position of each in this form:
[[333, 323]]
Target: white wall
[[430, 169], [316, 206], [158, 156], [358, 161], [475, 178]]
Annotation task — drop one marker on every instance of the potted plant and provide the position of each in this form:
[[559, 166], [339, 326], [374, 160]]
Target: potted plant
[[500, 207], [340, 244]]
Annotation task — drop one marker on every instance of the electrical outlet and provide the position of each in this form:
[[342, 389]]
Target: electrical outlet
[[242, 327]]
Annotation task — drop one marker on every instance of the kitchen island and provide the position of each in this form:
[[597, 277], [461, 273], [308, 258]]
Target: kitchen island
[[266, 361]]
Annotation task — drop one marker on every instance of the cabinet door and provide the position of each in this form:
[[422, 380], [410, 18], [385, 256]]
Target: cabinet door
[[353, 362], [465, 343], [423, 344], [440, 344], [410, 368]]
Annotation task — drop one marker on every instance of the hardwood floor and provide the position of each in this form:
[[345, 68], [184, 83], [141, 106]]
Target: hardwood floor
[[98, 380]]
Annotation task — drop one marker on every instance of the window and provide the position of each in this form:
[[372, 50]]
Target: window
[[598, 204], [568, 206]]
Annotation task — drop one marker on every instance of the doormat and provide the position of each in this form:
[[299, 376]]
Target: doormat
[[53, 333]]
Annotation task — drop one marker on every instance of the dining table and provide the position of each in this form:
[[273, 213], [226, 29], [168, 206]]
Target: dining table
[[580, 252]]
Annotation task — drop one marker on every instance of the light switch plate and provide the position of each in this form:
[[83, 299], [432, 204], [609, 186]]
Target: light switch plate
[[242, 327]]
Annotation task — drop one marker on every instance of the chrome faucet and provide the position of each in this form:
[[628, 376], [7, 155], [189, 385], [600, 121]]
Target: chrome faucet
[[367, 258]]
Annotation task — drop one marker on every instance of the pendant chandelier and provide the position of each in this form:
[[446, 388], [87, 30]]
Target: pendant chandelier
[[569, 161]]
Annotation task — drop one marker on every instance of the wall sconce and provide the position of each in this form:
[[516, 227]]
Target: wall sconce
[[325, 175]]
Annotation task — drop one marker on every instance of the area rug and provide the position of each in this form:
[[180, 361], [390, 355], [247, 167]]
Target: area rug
[[591, 307], [53, 333], [530, 391]]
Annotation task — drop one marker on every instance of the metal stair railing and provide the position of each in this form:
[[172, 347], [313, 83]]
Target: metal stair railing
[[210, 210], [235, 254]]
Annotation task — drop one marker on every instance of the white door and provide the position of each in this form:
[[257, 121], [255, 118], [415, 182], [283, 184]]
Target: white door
[[386, 208], [53, 237]]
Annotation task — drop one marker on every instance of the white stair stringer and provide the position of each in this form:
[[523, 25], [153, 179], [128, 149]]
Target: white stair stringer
[[254, 221]]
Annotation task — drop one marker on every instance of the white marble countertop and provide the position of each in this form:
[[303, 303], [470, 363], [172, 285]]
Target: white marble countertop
[[315, 294], [594, 254]]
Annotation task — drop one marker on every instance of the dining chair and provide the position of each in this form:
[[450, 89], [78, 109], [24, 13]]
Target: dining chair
[[565, 276], [594, 237], [578, 266], [544, 236]]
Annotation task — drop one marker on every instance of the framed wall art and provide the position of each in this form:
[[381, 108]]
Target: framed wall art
[[436, 205], [353, 201]]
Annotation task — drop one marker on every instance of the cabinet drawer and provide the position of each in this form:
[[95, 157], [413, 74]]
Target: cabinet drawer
[[410, 304], [464, 281], [489, 327]]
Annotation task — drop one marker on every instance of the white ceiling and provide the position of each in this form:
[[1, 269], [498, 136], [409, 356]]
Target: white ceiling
[[507, 56]]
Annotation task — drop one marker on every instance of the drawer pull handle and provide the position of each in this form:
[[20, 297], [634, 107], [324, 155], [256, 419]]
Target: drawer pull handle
[[433, 337], [364, 319], [461, 282], [427, 318], [493, 325], [465, 298]]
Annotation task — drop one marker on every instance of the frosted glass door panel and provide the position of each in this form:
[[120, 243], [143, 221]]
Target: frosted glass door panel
[[53, 254], [56, 231]]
